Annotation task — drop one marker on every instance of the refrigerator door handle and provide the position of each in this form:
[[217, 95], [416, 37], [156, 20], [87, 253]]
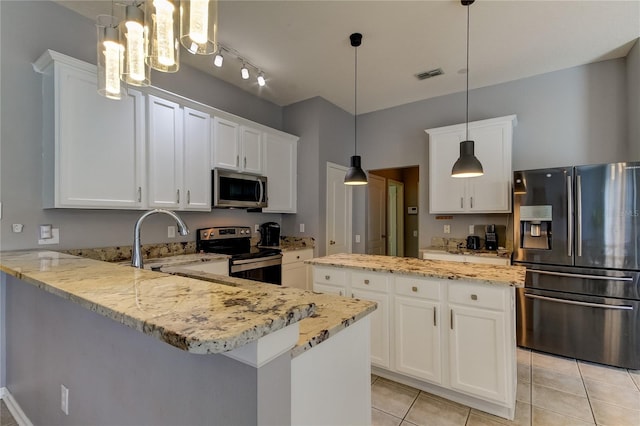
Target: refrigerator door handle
[[579, 215], [574, 302], [589, 277], [569, 216]]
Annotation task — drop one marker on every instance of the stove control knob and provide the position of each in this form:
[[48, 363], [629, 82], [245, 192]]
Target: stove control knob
[[205, 234]]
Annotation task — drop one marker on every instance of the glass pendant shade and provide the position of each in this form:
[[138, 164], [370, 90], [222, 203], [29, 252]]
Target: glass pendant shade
[[162, 18], [467, 165], [134, 37], [199, 26], [355, 175], [110, 55]]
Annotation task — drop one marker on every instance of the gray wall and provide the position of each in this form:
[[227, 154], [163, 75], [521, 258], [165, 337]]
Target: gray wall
[[117, 375], [633, 91], [326, 135], [574, 116], [21, 135]]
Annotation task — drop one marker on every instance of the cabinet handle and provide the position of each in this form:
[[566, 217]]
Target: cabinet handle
[[366, 282], [245, 163], [327, 277], [331, 242], [414, 289], [297, 257], [178, 196], [462, 202], [474, 297], [139, 194], [188, 196], [451, 314], [435, 321], [340, 293], [237, 160], [471, 202]]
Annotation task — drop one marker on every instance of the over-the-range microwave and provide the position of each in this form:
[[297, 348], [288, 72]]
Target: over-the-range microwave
[[240, 190]]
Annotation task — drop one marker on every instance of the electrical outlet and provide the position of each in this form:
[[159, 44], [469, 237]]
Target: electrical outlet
[[302, 227], [447, 229], [17, 227], [415, 233], [357, 238], [45, 232], [256, 227], [471, 229], [171, 231], [64, 399]]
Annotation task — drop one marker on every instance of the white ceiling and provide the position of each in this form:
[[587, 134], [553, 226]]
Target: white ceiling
[[303, 46]]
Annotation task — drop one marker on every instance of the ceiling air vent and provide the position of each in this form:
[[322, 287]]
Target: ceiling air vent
[[429, 74]]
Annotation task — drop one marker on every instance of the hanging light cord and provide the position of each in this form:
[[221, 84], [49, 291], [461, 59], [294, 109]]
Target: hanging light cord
[[467, 127], [355, 106]]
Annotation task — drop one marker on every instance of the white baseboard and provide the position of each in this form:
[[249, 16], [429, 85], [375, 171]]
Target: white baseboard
[[14, 408]]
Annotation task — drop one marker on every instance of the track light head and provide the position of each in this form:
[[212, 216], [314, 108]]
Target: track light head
[[244, 72], [218, 59]]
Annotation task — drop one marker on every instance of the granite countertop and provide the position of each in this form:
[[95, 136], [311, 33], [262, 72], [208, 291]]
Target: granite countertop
[[468, 252], [193, 315], [182, 259], [488, 274], [332, 314]]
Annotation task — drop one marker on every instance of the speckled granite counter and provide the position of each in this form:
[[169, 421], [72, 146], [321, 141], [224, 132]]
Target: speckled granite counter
[[193, 315], [332, 313], [468, 252], [488, 274]]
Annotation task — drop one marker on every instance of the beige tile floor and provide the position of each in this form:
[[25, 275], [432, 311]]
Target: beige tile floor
[[552, 391]]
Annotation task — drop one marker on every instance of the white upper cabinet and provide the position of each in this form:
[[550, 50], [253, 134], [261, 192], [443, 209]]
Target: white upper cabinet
[[93, 147], [280, 167], [236, 147], [197, 163], [489, 193]]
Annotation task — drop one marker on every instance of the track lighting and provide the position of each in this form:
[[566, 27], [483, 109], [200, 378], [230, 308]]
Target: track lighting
[[261, 81], [244, 72], [218, 59]]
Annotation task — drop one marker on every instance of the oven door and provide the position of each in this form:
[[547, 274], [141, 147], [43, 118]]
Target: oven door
[[263, 269], [591, 328]]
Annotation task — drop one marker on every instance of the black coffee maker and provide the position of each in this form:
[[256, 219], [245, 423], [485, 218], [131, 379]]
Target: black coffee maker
[[490, 238], [269, 234]]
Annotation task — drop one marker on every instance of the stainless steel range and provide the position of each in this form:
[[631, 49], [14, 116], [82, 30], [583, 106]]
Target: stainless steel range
[[246, 261], [577, 230]]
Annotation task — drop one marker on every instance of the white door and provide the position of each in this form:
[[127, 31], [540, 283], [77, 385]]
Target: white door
[[226, 143], [417, 334], [251, 140], [197, 166], [380, 347], [164, 153], [338, 220], [477, 352], [376, 233]]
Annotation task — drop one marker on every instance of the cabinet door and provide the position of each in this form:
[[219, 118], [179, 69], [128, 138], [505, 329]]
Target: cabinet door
[[280, 167], [251, 159], [99, 145], [295, 275], [446, 194], [417, 338], [164, 153], [197, 165], [477, 352], [491, 192], [380, 348], [226, 143], [330, 289]]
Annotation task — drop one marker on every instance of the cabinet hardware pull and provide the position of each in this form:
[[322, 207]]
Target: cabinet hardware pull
[[366, 282], [435, 321], [297, 257], [188, 196], [471, 202], [327, 277], [474, 297], [237, 161], [579, 215], [139, 194], [451, 314], [462, 202], [414, 289], [245, 163], [569, 216], [340, 293], [178, 196]]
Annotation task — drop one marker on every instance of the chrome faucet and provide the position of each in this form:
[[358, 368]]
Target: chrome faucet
[[136, 257]]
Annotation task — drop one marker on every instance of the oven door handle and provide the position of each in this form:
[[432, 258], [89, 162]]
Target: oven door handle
[[575, 302], [590, 277], [256, 260]]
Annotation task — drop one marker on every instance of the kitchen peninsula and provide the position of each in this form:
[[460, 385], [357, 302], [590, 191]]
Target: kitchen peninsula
[[215, 351], [444, 327]]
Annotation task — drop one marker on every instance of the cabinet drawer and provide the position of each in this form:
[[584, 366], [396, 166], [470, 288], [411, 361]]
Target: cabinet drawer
[[369, 281], [419, 288], [296, 256], [331, 276], [479, 295]]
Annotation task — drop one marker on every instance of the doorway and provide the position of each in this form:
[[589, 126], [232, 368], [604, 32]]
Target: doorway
[[339, 207], [393, 212]]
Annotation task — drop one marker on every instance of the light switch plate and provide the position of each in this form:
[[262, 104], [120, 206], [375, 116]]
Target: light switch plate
[[55, 237]]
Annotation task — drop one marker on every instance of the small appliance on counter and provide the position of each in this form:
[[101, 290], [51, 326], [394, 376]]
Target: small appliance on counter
[[269, 234], [473, 242], [491, 238]]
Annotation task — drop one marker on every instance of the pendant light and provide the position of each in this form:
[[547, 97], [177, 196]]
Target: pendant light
[[109, 57], [163, 20], [467, 165], [355, 175], [199, 26], [134, 38]]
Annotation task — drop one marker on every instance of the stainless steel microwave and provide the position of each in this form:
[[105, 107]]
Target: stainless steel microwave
[[240, 190]]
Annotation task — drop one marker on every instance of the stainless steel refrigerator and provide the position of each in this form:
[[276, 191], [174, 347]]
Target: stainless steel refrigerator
[[577, 230]]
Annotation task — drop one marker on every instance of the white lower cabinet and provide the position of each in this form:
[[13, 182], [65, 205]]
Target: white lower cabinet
[[449, 337], [295, 273]]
